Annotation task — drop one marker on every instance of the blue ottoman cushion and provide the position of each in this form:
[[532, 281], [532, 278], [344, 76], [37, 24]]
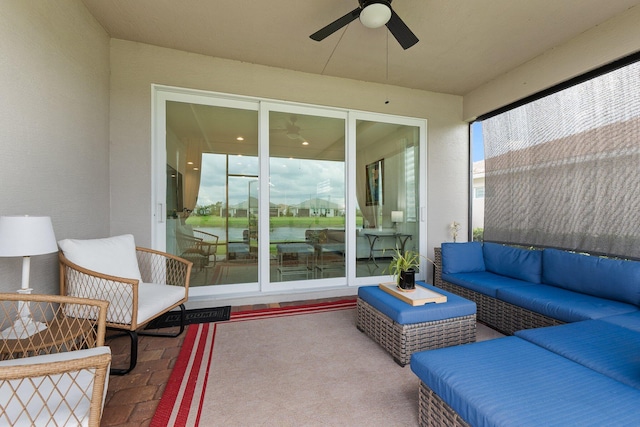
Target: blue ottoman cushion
[[406, 314], [512, 382]]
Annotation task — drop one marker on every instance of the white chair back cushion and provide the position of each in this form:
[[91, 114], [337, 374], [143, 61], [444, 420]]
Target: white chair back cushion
[[115, 256]]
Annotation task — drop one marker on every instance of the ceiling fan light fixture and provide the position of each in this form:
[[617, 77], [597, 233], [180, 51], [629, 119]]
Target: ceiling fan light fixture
[[375, 15]]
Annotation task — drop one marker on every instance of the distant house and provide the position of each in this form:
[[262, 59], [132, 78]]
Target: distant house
[[317, 207], [246, 207]]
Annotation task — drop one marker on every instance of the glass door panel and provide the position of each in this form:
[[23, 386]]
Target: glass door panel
[[387, 193], [306, 197], [266, 196], [211, 163]]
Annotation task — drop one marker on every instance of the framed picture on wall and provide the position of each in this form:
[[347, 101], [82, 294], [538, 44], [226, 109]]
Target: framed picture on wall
[[375, 190]]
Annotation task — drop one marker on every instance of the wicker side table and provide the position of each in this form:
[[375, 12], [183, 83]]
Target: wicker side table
[[401, 340]]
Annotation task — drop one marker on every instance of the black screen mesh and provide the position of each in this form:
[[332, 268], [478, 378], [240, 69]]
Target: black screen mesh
[[564, 171]]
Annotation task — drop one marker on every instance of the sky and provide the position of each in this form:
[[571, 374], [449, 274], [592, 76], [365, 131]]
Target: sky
[[477, 144], [293, 180]]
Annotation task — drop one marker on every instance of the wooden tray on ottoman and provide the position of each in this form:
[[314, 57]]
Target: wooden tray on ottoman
[[401, 341]]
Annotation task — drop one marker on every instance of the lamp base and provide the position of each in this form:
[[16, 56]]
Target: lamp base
[[23, 328], [24, 325]]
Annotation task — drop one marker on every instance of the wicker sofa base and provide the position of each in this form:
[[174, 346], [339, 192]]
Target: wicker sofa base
[[502, 316], [401, 341], [433, 411]]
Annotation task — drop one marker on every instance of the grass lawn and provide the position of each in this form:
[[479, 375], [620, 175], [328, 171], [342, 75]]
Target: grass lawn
[[274, 222]]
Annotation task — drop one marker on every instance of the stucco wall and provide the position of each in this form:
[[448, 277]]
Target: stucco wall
[[54, 140], [135, 66], [611, 40]]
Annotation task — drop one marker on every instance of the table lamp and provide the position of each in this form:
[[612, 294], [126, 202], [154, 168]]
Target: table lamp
[[396, 217], [26, 236]]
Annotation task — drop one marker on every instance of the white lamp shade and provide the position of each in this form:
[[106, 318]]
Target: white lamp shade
[[26, 236], [397, 216], [375, 15]]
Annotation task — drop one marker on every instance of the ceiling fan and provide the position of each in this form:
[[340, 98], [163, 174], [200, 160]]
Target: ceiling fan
[[373, 14], [291, 130]]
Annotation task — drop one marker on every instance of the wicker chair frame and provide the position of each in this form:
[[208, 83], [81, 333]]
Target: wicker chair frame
[[66, 332], [155, 267]]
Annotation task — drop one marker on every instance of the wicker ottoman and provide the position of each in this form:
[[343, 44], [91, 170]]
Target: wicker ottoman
[[402, 329]]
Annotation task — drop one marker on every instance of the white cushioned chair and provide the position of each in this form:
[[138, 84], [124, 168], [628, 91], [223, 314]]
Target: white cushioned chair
[[56, 374], [140, 284], [199, 247]]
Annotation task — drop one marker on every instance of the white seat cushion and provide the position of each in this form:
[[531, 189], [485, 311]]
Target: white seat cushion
[[154, 298]]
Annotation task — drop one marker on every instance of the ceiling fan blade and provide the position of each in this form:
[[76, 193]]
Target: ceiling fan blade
[[335, 25], [401, 32]]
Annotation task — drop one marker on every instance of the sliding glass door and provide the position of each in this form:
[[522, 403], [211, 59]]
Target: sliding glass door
[[387, 193], [306, 197], [211, 218], [266, 196]]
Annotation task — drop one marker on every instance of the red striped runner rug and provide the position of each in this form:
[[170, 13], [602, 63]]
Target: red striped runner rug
[[185, 390]]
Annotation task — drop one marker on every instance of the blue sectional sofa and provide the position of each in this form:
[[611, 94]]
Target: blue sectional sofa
[[583, 371], [516, 288]]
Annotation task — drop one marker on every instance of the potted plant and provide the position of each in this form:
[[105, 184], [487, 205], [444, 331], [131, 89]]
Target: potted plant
[[403, 267]]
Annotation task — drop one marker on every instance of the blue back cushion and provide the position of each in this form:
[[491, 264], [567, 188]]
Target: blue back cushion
[[517, 263], [601, 277], [462, 257]]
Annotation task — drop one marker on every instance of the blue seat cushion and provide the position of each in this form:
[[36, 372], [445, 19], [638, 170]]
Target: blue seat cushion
[[462, 257], [483, 282], [601, 277], [627, 320], [512, 382], [406, 314], [517, 263], [562, 304], [604, 347]]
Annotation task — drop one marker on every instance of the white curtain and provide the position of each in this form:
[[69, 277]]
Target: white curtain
[[191, 176]]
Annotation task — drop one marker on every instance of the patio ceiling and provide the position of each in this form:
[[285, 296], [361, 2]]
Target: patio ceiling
[[463, 43]]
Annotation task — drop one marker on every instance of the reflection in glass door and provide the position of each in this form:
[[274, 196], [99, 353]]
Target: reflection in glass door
[[387, 193], [264, 196], [306, 197], [212, 212]]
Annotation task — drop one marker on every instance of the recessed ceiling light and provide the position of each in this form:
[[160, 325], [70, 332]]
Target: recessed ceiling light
[[189, 163], [305, 143], [240, 138], [196, 169]]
